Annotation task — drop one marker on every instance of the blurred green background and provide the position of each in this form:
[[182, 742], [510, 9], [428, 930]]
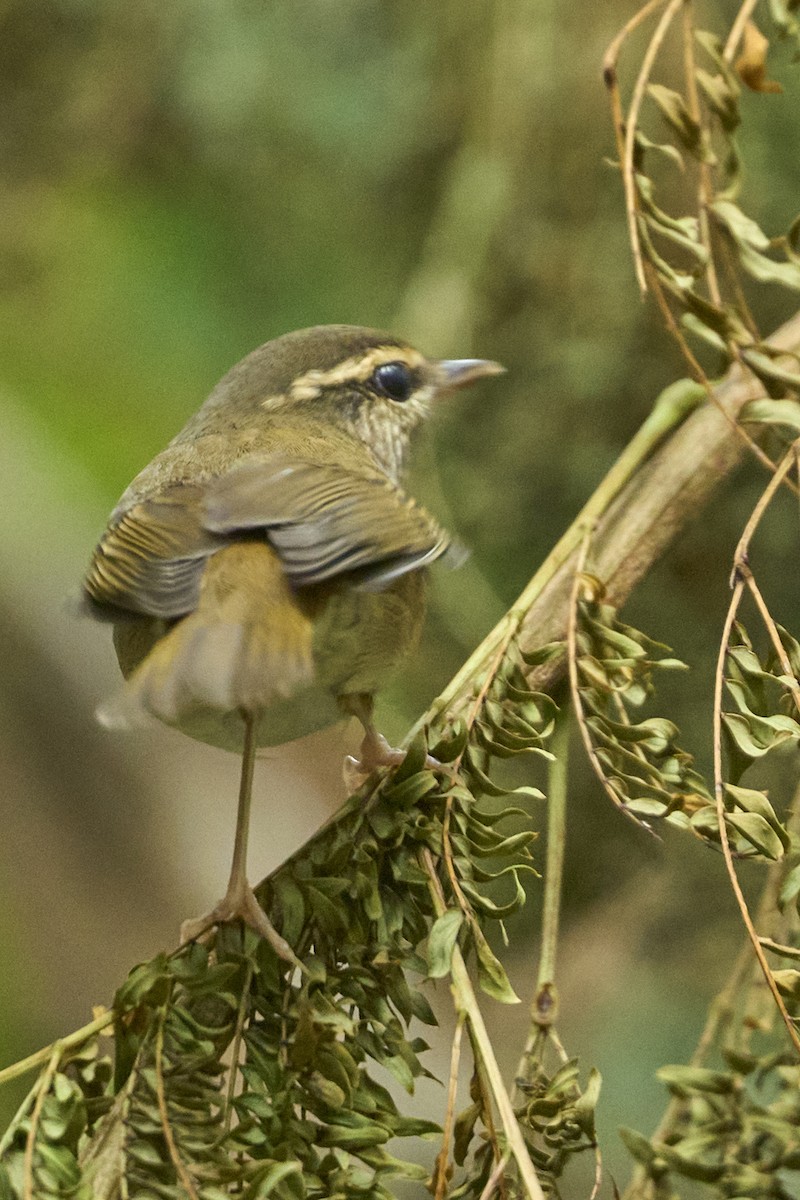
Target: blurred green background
[[182, 182]]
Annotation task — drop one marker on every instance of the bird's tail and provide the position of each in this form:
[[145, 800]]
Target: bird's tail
[[247, 643]]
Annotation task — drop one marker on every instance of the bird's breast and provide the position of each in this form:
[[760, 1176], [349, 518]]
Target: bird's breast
[[361, 636]]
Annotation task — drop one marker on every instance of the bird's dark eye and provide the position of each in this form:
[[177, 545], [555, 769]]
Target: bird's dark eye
[[393, 379]]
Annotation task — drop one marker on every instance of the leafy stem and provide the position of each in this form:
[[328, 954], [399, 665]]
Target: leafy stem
[[466, 1002]]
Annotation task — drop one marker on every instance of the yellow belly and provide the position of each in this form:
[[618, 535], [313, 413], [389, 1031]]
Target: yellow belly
[[359, 638]]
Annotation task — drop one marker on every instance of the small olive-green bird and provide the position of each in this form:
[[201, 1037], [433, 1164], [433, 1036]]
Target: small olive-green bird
[[265, 572]]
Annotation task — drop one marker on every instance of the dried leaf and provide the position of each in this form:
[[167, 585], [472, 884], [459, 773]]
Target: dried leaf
[[752, 62]]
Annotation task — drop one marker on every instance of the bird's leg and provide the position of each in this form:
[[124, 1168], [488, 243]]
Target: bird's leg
[[375, 751], [239, 901]]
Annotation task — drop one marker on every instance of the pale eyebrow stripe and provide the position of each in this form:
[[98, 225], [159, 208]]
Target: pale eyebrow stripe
[[356, 370]]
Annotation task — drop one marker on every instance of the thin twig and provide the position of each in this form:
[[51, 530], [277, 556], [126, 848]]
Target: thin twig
[[610, 59], [598, 1171], [774, 636], [544, 1006], [545, 1002], [443, 1157], [498, 1171], [66, 1043], [631, 129], [30, 1141], [719, 792], [780, 948], [467, 1002], [705, 186], [743, 571], [485, 1090], [779, 472], [699, 374], [611, 56], [737, 29], [236, 1046], [166, 1125], [721, 1008], [573, 668], [625, 134], [471, 718]]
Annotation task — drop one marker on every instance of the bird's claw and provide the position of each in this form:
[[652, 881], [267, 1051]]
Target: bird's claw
[[376, 753], [240, 904]]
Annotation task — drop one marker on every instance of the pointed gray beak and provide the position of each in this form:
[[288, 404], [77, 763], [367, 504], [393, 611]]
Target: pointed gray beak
[[458, 372]]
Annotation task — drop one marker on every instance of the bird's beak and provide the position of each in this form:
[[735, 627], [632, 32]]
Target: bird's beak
[[458, 372]]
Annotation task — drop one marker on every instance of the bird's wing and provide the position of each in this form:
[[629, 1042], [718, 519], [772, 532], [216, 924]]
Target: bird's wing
[[322, 521], [151, 560], [326, 522]]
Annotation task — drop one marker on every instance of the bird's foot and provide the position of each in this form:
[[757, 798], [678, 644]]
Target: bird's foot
[[239, 904], [375, 753]]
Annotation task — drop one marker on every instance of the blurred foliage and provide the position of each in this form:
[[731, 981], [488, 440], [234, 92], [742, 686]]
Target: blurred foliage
[[182, 182]]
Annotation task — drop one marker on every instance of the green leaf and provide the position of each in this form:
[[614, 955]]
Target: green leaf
[[755, 830], [586, 1104], [676, 114], [638, 1146], [692, 1164], [391, 1167], [491, 973], [684, 231], [722, 96], [481, 781], [463, 1132], [743, 732], [414, 760], [704, 822], [753, 801], [410, 791], [329, 914], [441, 942], [670, 152], [368, 1134], [397, 1065], [543, 654], [775, 377], [790, 887], [788, 983], [697, 327], [772, 412], [683, 1079], [324, 1089], [503, 846], [488, 907], [751, 242], [292, 906], [264, 1185], [451, 743], [743, 228], [415, 1127]]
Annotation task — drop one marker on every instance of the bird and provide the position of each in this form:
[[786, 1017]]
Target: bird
[[266, 572]]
